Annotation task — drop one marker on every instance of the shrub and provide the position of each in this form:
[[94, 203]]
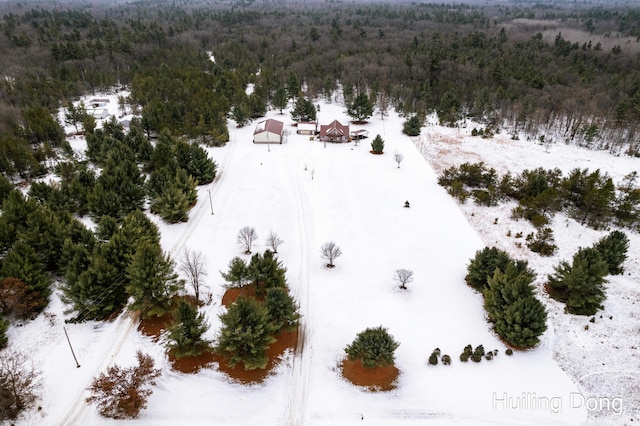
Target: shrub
[[509, 351], [18, 384], [121, 393], [483, 265], [412, 126], [4, 327], [542, 242], [477, 354], [466, 353], [488, 356], [433, 358], [374, 347], [446, 359], [186, 332]]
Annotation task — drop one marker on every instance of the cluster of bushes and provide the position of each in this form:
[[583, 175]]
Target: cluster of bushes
[[589, 197], [580, 285], [477, 354], [250, 324], [435, 356], [518, 317]]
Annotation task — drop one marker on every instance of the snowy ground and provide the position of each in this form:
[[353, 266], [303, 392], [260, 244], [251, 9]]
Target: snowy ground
[[310, 194]]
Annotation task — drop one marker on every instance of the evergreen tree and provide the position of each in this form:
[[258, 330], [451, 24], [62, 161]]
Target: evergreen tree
[[246, 334], [187, 330], [5, 188], [627, 203], [361, 108], [484, 265], [377, 146], [172, 205], [580, 285], [22, 262], [195, 161], [45, 233], [280, 99], [162, 155], [15, 212], [613, 250], [152, 280], [522, 322], [375, 347], [265, 271], [282, 309], [293, 86], [4, 327], [303, 110], [237, 275], [240, 113], [95, 286], [509, 300], [412, 126]]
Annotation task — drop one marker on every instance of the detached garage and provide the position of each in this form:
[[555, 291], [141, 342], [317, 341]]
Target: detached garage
[[268, 131]]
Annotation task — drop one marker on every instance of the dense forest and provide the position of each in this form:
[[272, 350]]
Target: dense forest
[[563, 71]]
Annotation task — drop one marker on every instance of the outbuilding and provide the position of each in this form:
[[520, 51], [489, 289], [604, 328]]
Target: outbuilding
[[268, 131], [307, 128]]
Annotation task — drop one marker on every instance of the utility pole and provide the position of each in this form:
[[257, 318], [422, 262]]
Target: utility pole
[[70, 347], [210, 202]]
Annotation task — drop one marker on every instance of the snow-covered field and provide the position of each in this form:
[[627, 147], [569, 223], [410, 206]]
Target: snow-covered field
[[310, 194]]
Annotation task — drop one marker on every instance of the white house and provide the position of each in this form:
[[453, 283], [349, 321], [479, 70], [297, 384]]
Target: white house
[[268, 131]]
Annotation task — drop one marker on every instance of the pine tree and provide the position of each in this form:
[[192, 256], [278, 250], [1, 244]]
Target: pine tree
[[293, 85], [412, 126], [504, 288], [361, 108], [22, 262], [518, 317], [303, 110], [581, 284], [522, 322], [186, 332], [240, 113], [237, 275], [280, 99], [152, 280], [375, 347], [483, 266], [172, 205], [246, 334], [282, 309], [199, 165], [265, 271], [377, 146], [15, 212], [613, 249]]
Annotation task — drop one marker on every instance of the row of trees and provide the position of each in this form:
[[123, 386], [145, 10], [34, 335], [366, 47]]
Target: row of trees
[[250, 324], [517, 315], [591, 198]]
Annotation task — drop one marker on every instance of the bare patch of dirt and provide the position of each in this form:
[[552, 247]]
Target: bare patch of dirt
[[375, 379], [232, 293], [192, 364], [154, 326]]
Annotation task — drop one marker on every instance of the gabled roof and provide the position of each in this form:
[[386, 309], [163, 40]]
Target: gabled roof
[[270, 125], [334, 129]]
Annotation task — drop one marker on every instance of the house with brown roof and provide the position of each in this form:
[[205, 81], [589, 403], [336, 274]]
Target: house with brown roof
[[334, 132], [268, 131]]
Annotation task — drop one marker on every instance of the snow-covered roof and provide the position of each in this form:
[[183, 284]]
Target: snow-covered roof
[[270, 125]]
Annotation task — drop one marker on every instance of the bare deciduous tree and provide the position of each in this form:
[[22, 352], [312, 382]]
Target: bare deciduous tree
[[403, 277], [193, 267], [274, 241], [398, 157], [330, 251], [121, 393], [246, 237], [18, 384]]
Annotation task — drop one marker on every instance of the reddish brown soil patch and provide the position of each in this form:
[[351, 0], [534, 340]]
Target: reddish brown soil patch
[[376, 153], [192, 364], [376, 379], [284, 341], [154, 326], [232, 294]]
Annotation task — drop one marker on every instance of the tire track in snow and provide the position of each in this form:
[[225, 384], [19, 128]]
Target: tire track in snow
[[79, 412], [301, 369]]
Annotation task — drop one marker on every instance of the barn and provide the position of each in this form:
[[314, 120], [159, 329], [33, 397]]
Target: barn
[[334, 132], [268, 131]]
